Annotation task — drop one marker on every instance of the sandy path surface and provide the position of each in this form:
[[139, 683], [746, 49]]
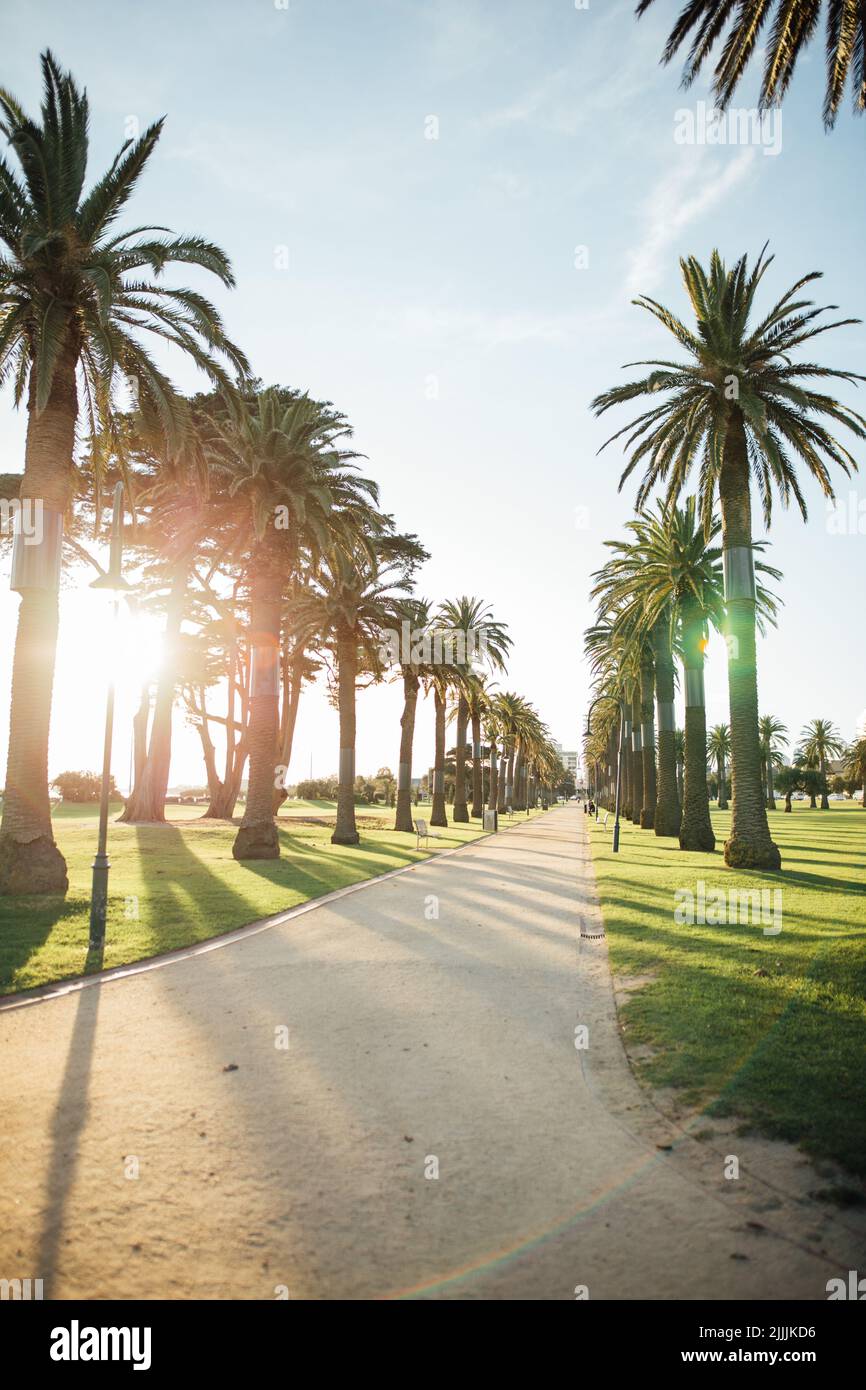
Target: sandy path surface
[[414, 1042]]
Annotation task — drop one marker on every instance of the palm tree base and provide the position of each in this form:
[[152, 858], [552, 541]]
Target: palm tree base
[[647, 819], [667, 821], [31, 866], [745, 854], [437, 810], [460, 814], [257, 841], [350, 837], [698, 844]]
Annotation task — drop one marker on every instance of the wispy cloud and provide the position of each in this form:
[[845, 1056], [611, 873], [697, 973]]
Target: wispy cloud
[[697, 183]]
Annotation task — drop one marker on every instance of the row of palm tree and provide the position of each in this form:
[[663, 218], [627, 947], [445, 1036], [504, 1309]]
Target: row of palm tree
[[820, 743], [263, 545], [736, 409]]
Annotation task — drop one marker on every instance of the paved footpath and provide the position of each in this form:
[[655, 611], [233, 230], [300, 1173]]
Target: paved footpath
[[431, 1027]]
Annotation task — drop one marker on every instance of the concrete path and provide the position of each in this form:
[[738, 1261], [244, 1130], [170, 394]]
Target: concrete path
[[160, 1140]]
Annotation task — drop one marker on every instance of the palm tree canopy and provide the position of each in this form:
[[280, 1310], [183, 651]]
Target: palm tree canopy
[[71, 283], [667, 563], [719, 742], [738, 24], [472, 615], [773, 736], [819, 741], [737, 372], [282, 456]]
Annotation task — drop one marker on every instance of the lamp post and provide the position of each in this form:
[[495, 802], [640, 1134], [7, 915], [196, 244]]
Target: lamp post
[[114, 581], [598, 699]]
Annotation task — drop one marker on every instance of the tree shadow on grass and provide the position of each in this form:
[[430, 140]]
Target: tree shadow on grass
[[25, 926]]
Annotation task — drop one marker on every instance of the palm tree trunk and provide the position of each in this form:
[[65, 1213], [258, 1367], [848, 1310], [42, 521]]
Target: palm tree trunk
[[460, 813], [503, 766], [721, 774], [30, 861], [696, 828], [647, 742], [257, 836], [147, 802], [403, 819], [346, 830], [477, 769], [771, 799], [437, 806], [825, 800], [668, 811], [519, 801], [636, 761], [750, 845], [627, 762], [292, 684], [140, 722], [509, 778]]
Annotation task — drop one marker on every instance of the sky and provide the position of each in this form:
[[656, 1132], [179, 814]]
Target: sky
[[438, 212]]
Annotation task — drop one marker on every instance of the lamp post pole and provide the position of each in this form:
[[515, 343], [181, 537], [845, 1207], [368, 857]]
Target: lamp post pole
[[114, 581], [598, 699]]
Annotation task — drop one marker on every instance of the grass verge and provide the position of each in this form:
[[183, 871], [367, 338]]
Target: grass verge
[[770, 1028]]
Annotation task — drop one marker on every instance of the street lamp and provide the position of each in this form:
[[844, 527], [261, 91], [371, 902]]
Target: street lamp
[[598, 699], [113, 580]]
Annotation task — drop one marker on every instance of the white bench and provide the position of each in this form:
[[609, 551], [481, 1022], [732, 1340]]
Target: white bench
[[423, 833]]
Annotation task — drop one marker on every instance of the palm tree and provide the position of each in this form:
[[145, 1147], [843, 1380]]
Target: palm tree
[[719, 749], [738, 408], [478, 696], [667, 584], [773, 735], [819, 742], [737, 26], [854, 770], [440, 678], [411, 666], [353, 602], [75, 298], [275, 458], [469, 618]]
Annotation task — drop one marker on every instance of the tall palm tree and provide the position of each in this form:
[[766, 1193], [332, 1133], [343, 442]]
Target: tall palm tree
[[273, 460], [667, 583], [739, 409], [412, 669], [773, 735], [478, 696], [737, 26], [353, 602], [471, 618], [76, 296], [719, 749], [820, 741], [442, 679]]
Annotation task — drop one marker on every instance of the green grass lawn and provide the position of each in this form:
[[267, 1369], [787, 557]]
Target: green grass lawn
[[174, 884], [768, 1028]]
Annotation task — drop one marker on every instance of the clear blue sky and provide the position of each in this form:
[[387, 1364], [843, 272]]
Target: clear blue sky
[[432, 293]]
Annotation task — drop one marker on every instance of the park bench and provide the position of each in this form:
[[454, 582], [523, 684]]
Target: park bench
[[425, 834]]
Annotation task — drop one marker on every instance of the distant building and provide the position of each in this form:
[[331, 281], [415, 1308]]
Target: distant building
[[570, 761]]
